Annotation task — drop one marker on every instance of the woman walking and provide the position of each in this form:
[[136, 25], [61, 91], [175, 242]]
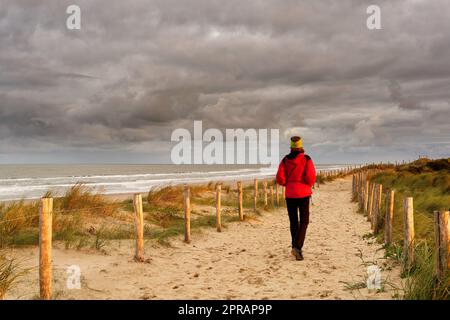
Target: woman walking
[[297, 173]]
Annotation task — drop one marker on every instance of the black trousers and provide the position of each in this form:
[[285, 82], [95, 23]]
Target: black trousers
[[298, 226]]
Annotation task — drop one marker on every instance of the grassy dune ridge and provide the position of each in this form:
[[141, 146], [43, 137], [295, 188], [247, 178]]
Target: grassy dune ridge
[[428, 182], [84, 218]]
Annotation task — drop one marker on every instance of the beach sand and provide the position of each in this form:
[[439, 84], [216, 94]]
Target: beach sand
[[247, 260]]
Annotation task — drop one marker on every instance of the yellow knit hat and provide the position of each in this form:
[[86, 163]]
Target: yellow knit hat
[[296, 142]]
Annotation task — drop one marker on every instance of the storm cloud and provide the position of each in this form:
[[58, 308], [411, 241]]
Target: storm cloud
[[139, 69]]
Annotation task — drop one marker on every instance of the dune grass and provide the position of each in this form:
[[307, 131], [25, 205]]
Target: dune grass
[[19, 220], [421, 283], [430, 191], [171, 197], [10, 273], [18, 223], [428, 182], [83, 218]]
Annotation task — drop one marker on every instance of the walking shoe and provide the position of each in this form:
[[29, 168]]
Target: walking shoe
[[297, 254], [294, 252]]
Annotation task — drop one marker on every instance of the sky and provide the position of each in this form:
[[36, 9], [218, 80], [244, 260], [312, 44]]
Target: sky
[[114, 91]]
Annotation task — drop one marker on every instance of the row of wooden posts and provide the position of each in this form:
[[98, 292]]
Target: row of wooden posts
[[273, 190], [46, 217], [336, 172], [369, 198], [46, 213], [333, 173]]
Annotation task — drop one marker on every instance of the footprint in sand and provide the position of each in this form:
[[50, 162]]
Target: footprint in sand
[[325, 271], [275, 267], [177, 286], [256, 281], [317, 281], [325, 293]]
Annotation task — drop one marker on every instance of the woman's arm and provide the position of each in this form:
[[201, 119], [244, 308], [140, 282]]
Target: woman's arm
[[281, 174], [310, 176]]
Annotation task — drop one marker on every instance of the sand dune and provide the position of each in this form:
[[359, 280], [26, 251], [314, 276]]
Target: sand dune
[[248, 260]]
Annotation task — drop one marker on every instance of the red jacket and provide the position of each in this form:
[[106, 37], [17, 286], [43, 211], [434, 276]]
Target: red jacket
[[297, 173]]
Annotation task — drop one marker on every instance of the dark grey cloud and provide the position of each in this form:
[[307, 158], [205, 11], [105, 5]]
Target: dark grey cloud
[[398, 96], [139, 69]]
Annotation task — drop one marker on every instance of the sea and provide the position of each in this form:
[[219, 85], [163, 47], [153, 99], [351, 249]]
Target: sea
[[33, 181]]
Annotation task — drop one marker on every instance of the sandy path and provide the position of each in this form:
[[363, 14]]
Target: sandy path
[[249, 260]]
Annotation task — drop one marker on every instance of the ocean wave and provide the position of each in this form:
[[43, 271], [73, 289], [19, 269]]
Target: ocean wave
[[33, 188]]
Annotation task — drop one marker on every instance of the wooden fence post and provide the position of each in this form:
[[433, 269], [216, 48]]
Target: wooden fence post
[[376, 216], [371, 194], [389, 217], [374, 206], [45, 248], [271, 195], [353, 186], [442, 231], [240, 206], [187, 214], [366, 196], [218, 209], [361, 192], [358, 183], [408, 220], [283, 194], [265, 192], [139, 227], [357, 187], [255, 195], [277, 194]]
